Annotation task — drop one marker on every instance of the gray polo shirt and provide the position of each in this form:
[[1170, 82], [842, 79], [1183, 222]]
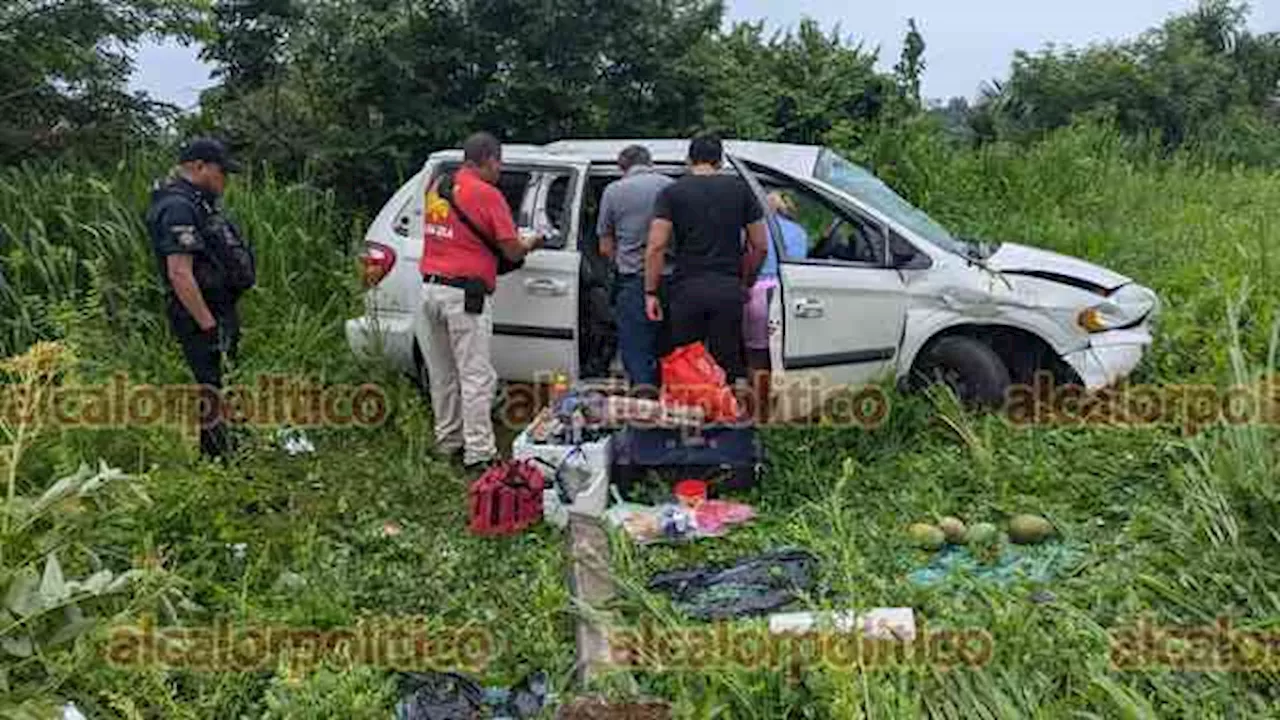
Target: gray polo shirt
[[625, 211]]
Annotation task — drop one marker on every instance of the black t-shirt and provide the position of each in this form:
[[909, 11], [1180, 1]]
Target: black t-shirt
[[707, 214]]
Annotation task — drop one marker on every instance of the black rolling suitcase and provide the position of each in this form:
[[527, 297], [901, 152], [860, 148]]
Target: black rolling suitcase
[[730, 456]]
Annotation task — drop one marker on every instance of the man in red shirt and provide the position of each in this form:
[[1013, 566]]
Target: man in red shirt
[[459, 270]]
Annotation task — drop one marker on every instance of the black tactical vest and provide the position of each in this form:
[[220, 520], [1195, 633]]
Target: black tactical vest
[[226, 267]]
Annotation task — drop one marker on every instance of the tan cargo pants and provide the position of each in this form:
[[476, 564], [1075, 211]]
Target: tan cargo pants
[[463, 381]]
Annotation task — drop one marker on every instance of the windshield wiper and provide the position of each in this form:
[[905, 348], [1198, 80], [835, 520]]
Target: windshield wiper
[[976, 252], [976, 249]]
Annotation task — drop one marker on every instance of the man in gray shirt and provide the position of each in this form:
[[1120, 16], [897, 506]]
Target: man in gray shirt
[[623, 228]]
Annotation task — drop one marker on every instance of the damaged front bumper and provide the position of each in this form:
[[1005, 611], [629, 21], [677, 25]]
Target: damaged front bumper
[[1110, 357]]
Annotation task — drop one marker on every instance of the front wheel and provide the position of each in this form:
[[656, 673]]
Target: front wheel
[[973, 371]]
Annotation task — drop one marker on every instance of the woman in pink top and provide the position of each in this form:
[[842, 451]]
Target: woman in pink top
[[755, 317]]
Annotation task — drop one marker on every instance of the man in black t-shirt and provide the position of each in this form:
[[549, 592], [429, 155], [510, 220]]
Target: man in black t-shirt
[[706, 212]]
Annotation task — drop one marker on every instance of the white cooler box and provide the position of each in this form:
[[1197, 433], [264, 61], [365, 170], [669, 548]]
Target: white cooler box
[[593, 497]]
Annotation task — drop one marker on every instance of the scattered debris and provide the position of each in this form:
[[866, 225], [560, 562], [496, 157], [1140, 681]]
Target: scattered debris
[[238, 550], [754, 586], [289, 581], [578, 475], [294, 441], [525, 700], [672, 522], [439, 696], [804, 622], [1043, 597], [601, 709], [715, 517], [877, 624], [1011, 562], [455, 696]]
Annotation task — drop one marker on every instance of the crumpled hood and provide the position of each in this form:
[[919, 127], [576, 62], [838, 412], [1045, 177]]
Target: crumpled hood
[[1025, 260]]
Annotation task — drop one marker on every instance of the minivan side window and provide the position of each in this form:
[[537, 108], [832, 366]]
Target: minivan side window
[[825, 231], [559, 206], [513, 184]]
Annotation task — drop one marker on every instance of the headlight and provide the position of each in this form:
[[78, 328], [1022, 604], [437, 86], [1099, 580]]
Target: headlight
[[1125, 308]]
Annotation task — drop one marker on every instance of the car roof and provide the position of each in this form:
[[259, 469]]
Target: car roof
[[799, 160]]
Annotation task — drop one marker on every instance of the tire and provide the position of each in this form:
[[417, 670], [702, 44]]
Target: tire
[[973, 371]]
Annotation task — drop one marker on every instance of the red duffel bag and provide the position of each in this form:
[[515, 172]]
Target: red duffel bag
[[691, 377], [507, 498]]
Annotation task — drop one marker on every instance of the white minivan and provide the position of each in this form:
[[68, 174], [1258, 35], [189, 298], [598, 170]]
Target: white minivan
[[884, 291]]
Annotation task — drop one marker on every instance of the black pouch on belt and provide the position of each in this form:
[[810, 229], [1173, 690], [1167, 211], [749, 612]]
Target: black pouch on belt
[[473, 296]]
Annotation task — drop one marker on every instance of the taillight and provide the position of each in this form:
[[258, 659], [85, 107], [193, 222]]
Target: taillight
[[376, 262]]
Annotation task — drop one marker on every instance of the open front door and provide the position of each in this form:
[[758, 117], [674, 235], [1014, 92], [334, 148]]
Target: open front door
[[838, 318], [777, 363]]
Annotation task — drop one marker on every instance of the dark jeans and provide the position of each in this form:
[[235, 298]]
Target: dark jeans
[[707, 308], [637, 335], [204, 355]]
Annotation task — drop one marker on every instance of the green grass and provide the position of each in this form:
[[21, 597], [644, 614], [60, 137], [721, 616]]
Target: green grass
[[1176, 529]]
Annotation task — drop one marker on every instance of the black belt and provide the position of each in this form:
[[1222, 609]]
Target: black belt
[[433, 279]]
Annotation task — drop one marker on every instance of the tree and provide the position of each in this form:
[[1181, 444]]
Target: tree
[[1179, 82], [248, 41], [363, 91], [799, 86], [64, 68], [910, 67]]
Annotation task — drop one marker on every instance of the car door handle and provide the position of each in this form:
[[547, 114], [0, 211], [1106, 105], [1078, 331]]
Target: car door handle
[[809, 308], [545, 286]]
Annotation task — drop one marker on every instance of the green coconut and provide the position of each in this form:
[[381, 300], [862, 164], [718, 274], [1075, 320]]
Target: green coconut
[[1029, 529], [927, 536], [953, 528], [982, 534]]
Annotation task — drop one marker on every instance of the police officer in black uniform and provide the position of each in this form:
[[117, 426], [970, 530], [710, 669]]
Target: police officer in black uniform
[[205, 265]]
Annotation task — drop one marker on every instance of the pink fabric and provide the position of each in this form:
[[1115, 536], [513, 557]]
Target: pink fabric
[[715, 517], [755, 316]]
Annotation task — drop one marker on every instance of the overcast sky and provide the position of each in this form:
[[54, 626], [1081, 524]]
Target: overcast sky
[[966, 42]]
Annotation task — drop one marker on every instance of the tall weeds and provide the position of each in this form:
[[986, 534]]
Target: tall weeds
[[76, 260]]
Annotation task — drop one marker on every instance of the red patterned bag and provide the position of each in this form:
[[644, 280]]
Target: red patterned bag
[[507, 498]]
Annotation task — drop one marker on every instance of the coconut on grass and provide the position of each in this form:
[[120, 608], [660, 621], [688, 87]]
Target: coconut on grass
[[926, 536], [982, 535], [954, 529], [1029, 529]]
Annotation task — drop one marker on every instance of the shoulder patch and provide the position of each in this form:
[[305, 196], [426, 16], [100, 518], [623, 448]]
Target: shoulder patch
[[184, 234]]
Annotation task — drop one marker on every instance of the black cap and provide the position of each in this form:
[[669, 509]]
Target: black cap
[[211, 151]]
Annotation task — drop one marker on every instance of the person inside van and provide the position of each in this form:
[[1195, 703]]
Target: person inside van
[[794, 242]]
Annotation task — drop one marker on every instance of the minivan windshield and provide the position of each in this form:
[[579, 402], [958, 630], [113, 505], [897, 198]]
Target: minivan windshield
[[867, 188]]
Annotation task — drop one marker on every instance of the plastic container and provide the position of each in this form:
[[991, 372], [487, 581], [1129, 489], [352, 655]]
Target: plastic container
[[592, 497], [691, 493]]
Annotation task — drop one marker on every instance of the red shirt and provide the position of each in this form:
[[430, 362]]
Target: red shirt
[[449, 247]]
